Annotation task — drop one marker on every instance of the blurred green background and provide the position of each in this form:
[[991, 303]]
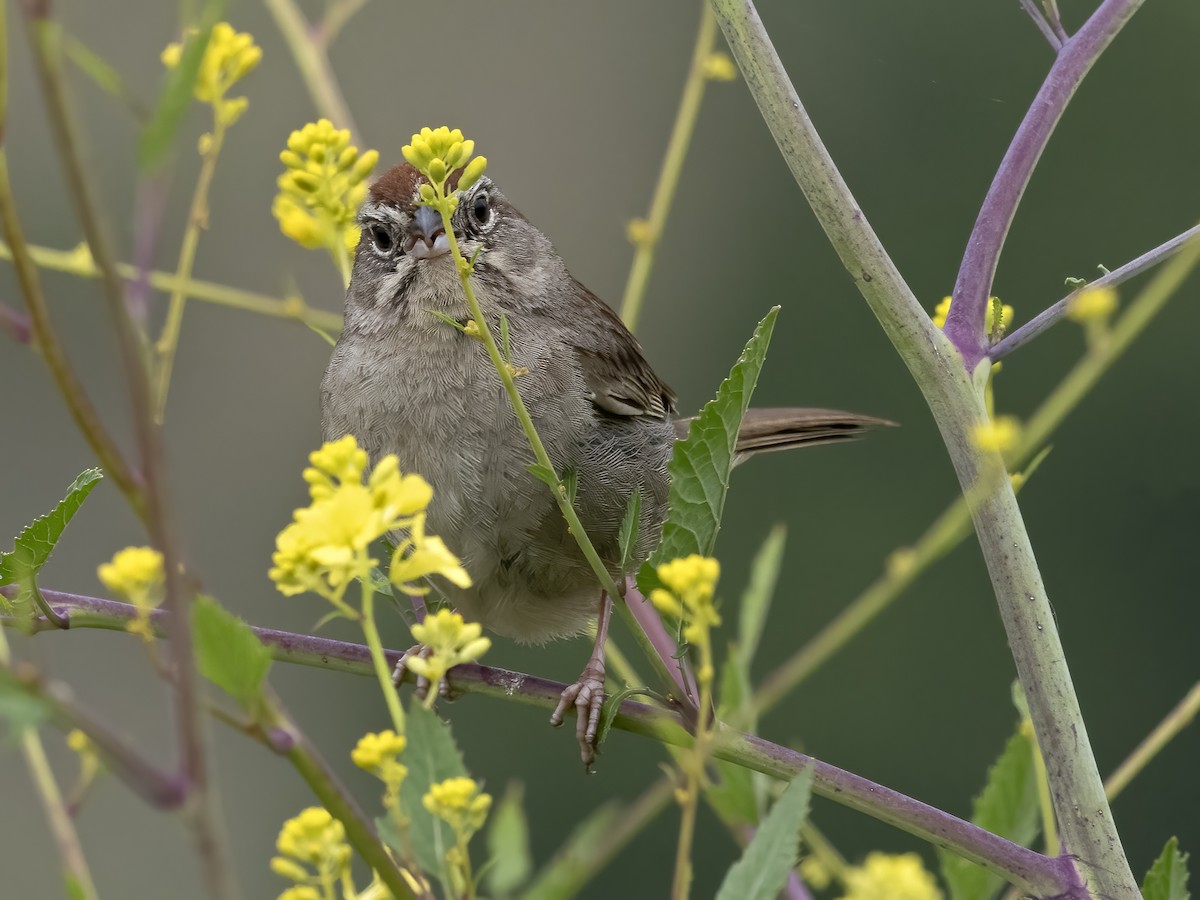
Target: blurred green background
[[572, 103]]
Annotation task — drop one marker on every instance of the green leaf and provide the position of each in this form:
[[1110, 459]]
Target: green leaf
[[1008, 806], [431, 756], [700, 464], [228, 653], [1168, 877], [570, 484], [36, 541], [508, 843], [627, 538], [94, 67], [544, 473], [756, 600], [732, 795], [19, 708], [176, 94], [612, 706], [571, 867], [763, 869]]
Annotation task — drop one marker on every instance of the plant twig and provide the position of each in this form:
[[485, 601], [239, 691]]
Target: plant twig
[[1035, 13], [203, 808], [1043, 320], [647, 238], [81, 264], [964, 322], [958, 407], [313, 63], [1176, 720], [1026, 868]]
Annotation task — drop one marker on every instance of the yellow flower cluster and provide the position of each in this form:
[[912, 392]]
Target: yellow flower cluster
[[136, 573], [325, 547], [687, 595], [312, 850], [451, 641], [886, 876], [377, 754], [1093, 304], [323, 186], [989, 325], [438, 152], [998, 435], [229, 57], [460, 804]]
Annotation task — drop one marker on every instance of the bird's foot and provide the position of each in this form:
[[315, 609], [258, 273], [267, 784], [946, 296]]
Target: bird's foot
[[587, 696], [422, 684]]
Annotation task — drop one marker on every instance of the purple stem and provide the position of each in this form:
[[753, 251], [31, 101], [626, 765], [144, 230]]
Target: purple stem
[[149, 207], [964, 324], [1032, 871], [1035, 13], [1048, 317], [664, 643], [16, 325]]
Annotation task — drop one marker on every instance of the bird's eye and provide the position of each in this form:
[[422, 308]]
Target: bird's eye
[[381, 239], [481, 208]]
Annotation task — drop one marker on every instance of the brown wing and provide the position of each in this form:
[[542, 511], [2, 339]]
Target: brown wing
[[620, 381]]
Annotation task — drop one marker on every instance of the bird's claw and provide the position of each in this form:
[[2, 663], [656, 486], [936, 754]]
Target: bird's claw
[[421, 686], [587, 696]]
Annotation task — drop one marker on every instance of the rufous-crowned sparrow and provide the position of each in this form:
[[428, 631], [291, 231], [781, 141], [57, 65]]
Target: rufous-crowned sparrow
[[403, 381]]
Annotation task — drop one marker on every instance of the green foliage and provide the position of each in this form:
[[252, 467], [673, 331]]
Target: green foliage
[[1008, 806], [228, 653], [1168, 877], [36, 541], [18, 707], [432, 756], [176, 96], [763, 870], [701, 464], [628, 535], [570, 868], [508, 844]]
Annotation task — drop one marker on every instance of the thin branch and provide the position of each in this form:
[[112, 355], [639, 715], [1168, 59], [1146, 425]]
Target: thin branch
[[313, 63], [672, 166], [203, 808], [1035, 13], [964, 323], [1051, 9], [1026, 868], [337, 14], [81, 264], [1177, 719], [1041, 322]]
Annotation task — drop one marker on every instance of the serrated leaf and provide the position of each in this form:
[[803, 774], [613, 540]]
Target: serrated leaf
[[628, 535], [763, 869], [228, 653], [36, 541], [176, 95], [1008, 807], [1168, 877], [570, 867], [701, 463], [431, 756], [608, 712], [732, 795], [508, 843]]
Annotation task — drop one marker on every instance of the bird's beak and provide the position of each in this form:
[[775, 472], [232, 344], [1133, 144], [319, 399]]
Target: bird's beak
[[428, 238]]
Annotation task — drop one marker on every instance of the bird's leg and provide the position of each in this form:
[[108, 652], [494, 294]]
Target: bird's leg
[[422, 683], [587, 693]]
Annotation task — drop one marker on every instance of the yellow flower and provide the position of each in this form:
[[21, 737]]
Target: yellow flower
[[322, 187], [437, 153], [459, 803], [325, 547], [887, 876], [687, 595], [301, 892], [1006, 314], [1092, 304], [229, 57], [998, 435], [719, 67], [377, 754], [941, 311], [450, 641], [423, 555], [815, 873], [312, 848], [136, 573]]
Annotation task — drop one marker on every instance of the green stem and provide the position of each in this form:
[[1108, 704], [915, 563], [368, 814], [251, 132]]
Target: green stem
[[1082, 810], [76, 263], [383, 673], [197, 220], [1177, 720], [692, 765], [672, 167], [1045, 803], [313, 63], [505, 371], [79, 876]]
